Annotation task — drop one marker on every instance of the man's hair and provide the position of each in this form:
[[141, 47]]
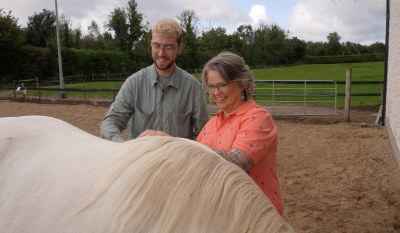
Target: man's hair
[[168, 28], [230, 67]]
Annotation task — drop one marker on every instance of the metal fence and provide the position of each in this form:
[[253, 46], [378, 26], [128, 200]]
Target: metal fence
[[289, 97], [280, 97]]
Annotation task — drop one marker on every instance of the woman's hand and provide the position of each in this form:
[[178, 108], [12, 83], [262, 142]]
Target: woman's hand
[[150, 132], [238, 157]]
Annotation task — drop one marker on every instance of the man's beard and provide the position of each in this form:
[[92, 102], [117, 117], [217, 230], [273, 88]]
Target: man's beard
[[172, 62], [166, 68]]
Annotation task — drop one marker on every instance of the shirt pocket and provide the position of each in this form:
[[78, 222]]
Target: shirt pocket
[[180, 124], [142, 120]]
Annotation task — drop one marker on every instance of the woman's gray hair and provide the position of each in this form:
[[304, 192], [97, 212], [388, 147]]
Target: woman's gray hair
[[230, 67]]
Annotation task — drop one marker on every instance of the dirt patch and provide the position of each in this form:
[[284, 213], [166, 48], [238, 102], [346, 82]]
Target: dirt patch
[[334, 177]]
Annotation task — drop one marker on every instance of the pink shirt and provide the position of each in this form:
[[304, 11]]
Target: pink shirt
[[249, 128]]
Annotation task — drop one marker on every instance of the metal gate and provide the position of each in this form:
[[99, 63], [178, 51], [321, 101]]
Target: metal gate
[[289, 97]]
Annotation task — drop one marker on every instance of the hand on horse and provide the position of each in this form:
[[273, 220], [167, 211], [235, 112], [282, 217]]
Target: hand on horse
[[150, 132]]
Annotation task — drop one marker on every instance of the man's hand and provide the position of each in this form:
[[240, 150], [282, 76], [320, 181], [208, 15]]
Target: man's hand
[[150, 132]]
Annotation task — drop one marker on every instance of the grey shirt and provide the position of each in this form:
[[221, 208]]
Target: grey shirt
[[176, 111]]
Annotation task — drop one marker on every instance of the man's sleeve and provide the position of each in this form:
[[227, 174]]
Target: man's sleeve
[[200, 113], [120, 112]]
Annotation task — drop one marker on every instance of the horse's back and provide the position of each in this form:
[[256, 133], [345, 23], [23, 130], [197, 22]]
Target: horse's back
[[47, 168], [55, 177]]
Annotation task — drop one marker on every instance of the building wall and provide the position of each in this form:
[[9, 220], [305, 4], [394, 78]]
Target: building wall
[[392, 120]]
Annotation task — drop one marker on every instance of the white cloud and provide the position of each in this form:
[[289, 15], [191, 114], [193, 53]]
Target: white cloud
[[356, 21], [259, 15]]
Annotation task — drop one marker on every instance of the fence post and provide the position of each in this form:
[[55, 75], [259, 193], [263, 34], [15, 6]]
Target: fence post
[[83, 91], [15, 95], [348, 95], [37, 82], [195, 71], [23, 93]]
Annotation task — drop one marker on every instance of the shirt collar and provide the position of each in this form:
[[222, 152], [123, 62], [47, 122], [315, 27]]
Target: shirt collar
[[241, 110], [174, 79]]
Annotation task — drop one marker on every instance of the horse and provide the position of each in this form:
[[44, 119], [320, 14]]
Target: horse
[[55, 177]]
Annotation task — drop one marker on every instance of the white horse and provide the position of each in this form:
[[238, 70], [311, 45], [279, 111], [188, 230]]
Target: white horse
[[55, 177]]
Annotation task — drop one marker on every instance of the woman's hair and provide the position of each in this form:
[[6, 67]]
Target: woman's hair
[[168, 28], [230, 67]]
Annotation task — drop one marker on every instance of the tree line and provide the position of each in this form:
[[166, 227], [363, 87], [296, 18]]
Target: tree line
[[127, 31]]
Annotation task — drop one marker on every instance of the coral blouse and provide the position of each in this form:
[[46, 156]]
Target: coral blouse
[[251, 129]]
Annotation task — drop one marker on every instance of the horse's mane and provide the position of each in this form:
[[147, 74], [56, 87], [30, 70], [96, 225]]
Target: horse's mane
[[179, 187]]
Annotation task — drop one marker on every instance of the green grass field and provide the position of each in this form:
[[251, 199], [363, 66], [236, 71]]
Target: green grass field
[[336, 72]]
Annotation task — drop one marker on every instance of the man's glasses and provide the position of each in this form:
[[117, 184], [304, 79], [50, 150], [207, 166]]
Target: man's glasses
[[156, 48], [222, 87]]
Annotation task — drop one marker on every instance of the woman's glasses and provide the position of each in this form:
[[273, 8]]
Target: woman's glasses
[[222, 87]]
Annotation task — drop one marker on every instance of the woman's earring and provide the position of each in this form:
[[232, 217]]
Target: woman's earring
[[242, 97]]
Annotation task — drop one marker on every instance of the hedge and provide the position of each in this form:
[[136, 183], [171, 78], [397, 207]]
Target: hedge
[[344, 59], [30, 62]]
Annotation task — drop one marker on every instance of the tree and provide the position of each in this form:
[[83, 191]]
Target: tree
[[117, 22], [299, 47], [77, 34], [276, 43], [11, 42], [190, 23], [65, 31], [377, 47], [41, 27], [136, 23], [11, 34], [215, 40], [128, 25], [246, 32], [333, 47], [94, 39]]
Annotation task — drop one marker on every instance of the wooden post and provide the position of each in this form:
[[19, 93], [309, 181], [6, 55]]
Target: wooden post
[[23, 93], [37, 82], [195, 70], [15, 94], [66, 94], [40, 94], [348, 95], [83, 88]]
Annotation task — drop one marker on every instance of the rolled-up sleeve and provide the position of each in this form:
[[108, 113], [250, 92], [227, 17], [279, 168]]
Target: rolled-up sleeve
[[120, 112], [257, 137]]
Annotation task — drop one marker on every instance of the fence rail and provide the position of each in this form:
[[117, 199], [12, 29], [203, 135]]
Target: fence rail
[[271, 98]]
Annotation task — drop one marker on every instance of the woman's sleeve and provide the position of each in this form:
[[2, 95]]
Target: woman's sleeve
[[257, 135]]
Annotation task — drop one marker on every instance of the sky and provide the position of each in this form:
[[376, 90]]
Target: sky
[[358, 21]]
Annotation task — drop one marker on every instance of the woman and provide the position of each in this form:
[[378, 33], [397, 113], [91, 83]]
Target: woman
[[242, 131]]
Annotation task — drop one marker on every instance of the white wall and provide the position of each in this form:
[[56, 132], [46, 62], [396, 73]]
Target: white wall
[[392, 121]]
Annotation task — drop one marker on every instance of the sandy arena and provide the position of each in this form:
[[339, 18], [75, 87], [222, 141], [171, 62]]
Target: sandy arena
[[334, 177]]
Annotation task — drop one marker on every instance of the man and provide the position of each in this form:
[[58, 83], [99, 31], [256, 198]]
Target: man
[[161, 99]]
